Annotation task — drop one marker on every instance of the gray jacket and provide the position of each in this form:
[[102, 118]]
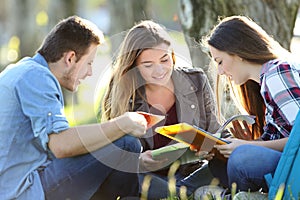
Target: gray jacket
[[195, 102]]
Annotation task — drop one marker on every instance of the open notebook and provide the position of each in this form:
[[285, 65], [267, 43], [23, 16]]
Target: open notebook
[[194, 137]]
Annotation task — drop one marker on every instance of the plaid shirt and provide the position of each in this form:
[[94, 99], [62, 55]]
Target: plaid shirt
[[280, 88]]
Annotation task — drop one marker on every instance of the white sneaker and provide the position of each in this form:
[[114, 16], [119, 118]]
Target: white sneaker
[[250, 195], [209, 192]]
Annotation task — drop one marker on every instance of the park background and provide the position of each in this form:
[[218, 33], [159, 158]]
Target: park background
[[24, 24]]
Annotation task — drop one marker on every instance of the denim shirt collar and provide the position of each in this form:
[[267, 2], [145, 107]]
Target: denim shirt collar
[[41, 60]]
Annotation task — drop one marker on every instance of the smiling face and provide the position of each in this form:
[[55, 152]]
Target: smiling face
[[156, 65], [230, 65], [78, 71]]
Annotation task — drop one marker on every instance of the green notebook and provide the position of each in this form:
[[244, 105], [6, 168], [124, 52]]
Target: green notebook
[[178, 151]]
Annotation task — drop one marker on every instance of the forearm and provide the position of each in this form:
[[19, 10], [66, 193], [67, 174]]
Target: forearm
[[272, 144], [83, 139]]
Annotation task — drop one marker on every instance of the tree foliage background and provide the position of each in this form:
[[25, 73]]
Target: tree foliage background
[[24, 23]]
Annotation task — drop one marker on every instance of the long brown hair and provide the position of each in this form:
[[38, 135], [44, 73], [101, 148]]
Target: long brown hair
[[126, 79], [239, 35]]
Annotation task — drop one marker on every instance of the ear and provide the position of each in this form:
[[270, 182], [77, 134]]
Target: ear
[[70, 58], [240, 58]]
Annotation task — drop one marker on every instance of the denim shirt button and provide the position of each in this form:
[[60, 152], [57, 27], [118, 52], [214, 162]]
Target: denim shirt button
[[49, 114]]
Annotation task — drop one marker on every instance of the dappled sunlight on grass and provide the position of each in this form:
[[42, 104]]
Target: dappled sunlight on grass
[[145, 187]]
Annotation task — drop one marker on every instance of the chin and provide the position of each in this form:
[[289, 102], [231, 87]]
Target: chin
[[239, 82], [75, 89]]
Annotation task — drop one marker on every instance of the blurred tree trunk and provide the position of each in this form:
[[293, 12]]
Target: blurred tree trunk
[[124, 14], [21, 23], [63, 9], [199, 16]]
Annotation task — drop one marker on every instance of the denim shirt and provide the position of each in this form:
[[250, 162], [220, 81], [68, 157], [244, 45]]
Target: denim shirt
[[31, 108]]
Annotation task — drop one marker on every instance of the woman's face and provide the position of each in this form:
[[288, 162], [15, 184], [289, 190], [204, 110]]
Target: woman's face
[[230, 65], [156, 64]]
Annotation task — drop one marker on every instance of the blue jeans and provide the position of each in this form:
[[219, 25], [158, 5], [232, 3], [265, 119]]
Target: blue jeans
[[110, 172], [159, 184], [247, 166]]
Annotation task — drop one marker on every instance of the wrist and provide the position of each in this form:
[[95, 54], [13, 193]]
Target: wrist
[[121, 124]]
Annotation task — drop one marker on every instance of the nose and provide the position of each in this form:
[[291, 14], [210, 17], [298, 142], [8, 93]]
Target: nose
[[89, 71], [220, 70], [159, 69]]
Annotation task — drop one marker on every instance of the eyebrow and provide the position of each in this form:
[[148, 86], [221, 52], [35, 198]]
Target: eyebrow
[[215, 59]]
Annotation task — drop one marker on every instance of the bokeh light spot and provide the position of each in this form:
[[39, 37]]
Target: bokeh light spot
[[42, 18]]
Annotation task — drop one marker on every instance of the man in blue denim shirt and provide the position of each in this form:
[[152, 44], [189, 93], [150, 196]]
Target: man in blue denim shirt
[[41, 157]]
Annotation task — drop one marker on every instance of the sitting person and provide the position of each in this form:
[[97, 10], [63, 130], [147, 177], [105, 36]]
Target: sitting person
[[41, 157], [246, 54], [145, 78]]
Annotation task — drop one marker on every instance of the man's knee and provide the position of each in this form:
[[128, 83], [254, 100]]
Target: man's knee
[[129, 143]]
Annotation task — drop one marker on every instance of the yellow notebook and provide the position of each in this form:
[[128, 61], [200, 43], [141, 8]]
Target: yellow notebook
[[197, 138], [193, 136]]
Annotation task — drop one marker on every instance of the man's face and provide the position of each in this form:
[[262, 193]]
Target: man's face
[[79, 70]]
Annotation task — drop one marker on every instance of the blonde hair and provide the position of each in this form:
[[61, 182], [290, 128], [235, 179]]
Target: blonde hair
[[126, 79]]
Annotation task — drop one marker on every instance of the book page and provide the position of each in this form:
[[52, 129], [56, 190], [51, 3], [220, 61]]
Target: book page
[[194, 136]]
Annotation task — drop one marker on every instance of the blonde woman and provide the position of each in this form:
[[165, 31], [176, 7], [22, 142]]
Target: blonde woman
[[145, 78]]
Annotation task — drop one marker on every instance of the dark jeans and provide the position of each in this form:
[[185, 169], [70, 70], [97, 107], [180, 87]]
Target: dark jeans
[[246, 167], [110, 171]]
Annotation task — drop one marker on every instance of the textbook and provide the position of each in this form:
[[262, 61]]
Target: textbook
[[194, 137]]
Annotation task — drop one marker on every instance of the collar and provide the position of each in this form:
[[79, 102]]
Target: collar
[[266, 67], [41, 60], [182, 83]]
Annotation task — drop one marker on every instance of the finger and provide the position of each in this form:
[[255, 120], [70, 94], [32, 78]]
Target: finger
[[232, 131], [225, 153], [201, 153], [238, 130], [236, 124], [207, 156], [138, 132], [246, 127], [138, 118], [247, 131], [210, 158], [221, 147], [243, 133]]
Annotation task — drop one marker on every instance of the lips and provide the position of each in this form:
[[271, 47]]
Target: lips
[[160, 77]]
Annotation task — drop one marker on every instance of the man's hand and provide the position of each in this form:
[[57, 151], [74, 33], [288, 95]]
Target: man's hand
[[132, 123]]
